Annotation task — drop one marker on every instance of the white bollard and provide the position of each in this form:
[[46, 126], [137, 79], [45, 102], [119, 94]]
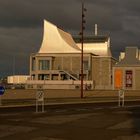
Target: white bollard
[[121, 98]]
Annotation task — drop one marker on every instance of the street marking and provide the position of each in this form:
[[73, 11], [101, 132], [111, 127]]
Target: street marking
[[46, 138], [82, 109], [61, 111], [98, 108], [61, 119]]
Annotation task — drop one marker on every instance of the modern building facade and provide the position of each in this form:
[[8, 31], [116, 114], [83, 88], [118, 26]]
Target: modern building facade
[[59, 59]]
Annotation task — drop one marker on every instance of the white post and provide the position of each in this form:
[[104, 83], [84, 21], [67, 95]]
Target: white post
[[36, 105], [121, 98], [43, 106], [0, 101], [96, 30]]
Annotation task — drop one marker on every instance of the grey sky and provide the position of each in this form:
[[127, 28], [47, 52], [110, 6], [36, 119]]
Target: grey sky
[[21, 25]]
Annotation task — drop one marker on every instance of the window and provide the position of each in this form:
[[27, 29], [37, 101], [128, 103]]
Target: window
[[85, 65], [33, 77], [43, 77], [44, 64], [33, 63], [128, 78]]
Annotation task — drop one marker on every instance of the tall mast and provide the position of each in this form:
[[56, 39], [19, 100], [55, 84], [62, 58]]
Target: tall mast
[[82, 41]]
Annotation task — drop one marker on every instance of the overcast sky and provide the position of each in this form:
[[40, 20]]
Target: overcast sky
[[21, 26]]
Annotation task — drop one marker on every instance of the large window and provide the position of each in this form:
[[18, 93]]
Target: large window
[[44, 64]]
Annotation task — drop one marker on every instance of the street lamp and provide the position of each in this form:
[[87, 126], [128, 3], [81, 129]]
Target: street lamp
[[82, 41]]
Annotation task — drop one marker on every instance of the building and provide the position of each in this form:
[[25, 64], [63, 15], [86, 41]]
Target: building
[[58, 61], [121, 56], [102, 60], [17, 79], [126, 73]]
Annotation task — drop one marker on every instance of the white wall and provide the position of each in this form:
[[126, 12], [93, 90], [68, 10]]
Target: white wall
[[56, 84], [17, 79]]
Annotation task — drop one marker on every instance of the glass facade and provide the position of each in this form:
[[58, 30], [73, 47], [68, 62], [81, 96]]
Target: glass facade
[[44, 64]]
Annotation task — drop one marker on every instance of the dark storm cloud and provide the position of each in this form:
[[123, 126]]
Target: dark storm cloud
[[21, 25], [18, 44]]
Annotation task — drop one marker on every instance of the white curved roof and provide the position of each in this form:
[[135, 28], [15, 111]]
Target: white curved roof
[[100, 49], [56, 40], [98, 45]]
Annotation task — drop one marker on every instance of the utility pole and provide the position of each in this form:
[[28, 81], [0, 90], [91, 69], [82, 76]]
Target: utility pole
[[82, 41], [14, 72]]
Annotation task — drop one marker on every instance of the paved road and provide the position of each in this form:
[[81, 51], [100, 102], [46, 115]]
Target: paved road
[[56, 101], [104, 121]]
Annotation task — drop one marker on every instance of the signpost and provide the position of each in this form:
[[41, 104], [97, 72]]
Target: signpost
[[121, 98], [2, 90], [40, 100]]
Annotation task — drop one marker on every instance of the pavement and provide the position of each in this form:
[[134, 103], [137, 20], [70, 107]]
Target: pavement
[[60, 101], [97, 118], [71, 122], [21, 98]]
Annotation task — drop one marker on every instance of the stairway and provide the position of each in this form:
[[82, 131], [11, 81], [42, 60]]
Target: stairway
[[72, 76]]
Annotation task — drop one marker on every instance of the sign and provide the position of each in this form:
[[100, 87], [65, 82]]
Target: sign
[[121, 93], [128, 78], [40, 100], [40, 96], [2, 90]]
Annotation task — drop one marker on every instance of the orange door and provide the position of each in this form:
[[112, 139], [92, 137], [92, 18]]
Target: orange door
[[118, 78]]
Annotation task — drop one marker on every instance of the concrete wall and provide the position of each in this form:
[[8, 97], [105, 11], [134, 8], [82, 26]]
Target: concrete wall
[[31, 94], [67, 62], [102, 71], [55, 84], [137, 78], [99, 68]]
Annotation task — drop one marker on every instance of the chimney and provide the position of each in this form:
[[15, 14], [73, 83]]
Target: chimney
[[96, 30]]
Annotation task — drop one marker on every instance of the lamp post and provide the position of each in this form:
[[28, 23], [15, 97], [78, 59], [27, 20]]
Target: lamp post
[[82, 41]]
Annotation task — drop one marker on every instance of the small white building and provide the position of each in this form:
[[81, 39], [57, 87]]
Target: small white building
[[17, 79], [126, 73]]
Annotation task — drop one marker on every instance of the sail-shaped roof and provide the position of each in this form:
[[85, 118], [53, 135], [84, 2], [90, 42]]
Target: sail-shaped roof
[[56, 40]]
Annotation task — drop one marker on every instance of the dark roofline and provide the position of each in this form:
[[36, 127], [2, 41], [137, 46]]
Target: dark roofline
[[91, 39], [126, 65]]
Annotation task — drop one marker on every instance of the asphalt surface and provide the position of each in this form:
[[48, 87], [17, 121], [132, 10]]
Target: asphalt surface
[[58, 101], [88, 121]]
